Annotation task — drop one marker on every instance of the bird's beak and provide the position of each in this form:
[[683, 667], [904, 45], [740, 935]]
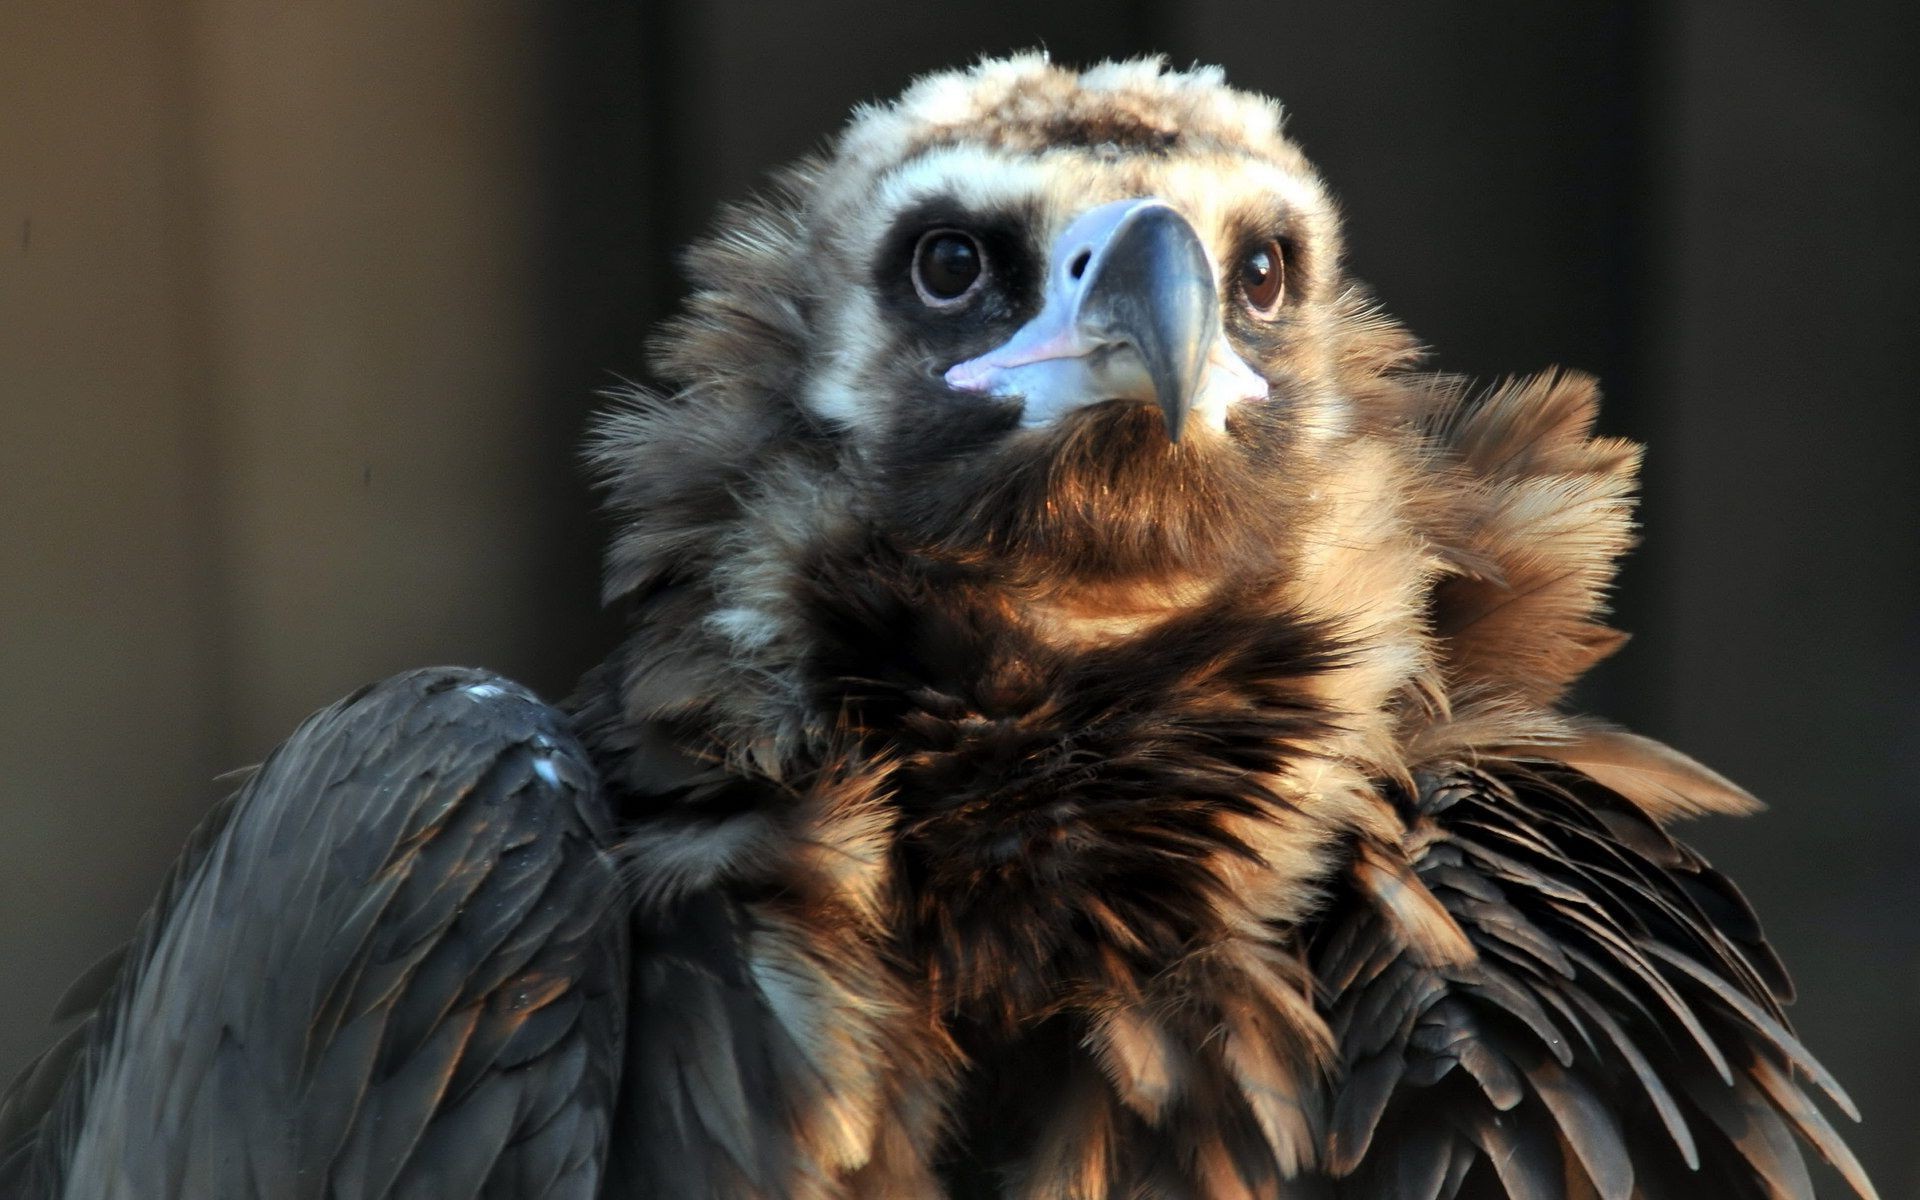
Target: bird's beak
[[1131, 313]]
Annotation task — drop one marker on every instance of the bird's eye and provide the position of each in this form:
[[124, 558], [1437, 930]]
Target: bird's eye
[[947, 265], [1263, 279]]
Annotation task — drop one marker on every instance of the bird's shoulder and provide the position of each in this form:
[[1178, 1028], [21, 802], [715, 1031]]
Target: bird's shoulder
[[405, 901], [1541, 992]]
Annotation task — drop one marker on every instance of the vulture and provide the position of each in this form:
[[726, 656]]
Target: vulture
[[1090, 726]]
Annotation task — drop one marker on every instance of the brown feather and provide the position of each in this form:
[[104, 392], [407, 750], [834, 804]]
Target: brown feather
[[1666, 784], [1424, 928]]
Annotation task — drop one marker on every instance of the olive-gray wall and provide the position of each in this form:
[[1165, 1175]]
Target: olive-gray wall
[[302, 306]]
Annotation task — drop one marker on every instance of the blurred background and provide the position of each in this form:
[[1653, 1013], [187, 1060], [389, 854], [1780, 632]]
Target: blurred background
[[302, 309]]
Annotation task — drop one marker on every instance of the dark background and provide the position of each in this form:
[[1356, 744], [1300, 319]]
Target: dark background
[[302, 307]]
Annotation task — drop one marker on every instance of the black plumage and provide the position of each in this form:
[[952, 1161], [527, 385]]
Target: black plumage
[[1090, 727], [1620, 1010], [417, 988]]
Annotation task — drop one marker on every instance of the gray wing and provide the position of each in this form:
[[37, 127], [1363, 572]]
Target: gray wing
[[392, 965], [1547, 997]]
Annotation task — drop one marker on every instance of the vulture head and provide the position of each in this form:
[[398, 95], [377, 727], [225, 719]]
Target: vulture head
[[1086, 325]]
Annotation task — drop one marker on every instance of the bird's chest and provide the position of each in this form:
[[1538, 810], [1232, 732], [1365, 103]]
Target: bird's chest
[[1043, 858], [1071, 822]]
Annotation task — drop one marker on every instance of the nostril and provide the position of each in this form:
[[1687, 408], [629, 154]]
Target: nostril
[[1078, 266]]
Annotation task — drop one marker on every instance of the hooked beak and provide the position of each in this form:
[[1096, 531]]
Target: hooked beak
[[1131, 313]]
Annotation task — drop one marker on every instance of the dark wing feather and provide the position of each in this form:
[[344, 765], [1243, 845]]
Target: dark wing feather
[[390, 965], [1616, 1030]]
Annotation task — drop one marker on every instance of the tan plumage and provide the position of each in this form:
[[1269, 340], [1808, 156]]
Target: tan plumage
[[1148, 785]]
